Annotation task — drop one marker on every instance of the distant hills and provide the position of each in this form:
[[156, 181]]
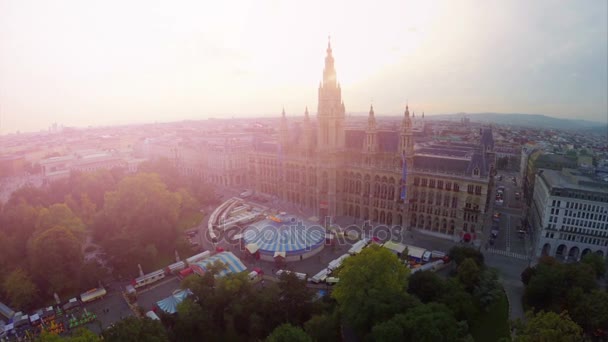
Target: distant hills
[[526, 120]]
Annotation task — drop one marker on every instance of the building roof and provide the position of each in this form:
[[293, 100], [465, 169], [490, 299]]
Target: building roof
[[573, 179]]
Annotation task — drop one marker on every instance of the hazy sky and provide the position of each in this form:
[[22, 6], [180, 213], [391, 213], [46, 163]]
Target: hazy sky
[[80, 62]]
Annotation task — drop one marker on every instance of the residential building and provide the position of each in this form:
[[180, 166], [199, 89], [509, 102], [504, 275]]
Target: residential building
[[569, 213]]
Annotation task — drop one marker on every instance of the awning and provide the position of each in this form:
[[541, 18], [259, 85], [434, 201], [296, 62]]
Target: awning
[[279, 254], [467, 237], [252, 248]]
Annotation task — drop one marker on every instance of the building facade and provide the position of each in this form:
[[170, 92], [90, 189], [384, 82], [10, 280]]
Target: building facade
[[569, 214], [376, 173]]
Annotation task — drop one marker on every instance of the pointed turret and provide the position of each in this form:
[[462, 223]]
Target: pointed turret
[[371, 136], [329, 73], [283, 130], [307, 136], [331, 110], [406, 140], [371, 120]]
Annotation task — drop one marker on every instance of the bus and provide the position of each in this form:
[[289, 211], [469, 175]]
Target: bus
[[93, 294]]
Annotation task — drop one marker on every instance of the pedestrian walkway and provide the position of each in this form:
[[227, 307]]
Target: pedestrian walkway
[[508, 254]]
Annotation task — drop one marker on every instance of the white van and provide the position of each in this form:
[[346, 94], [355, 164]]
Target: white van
[[426, 256]]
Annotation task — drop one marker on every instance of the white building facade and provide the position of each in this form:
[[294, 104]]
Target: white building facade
[[569, 214]]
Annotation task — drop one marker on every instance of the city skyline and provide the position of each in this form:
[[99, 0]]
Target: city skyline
[[81, 65]]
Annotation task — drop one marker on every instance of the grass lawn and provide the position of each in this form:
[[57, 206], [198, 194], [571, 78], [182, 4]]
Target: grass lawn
[[492, 325]]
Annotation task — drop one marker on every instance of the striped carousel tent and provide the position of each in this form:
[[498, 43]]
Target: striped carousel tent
[[233, 264], [169, 304], [284, 235]]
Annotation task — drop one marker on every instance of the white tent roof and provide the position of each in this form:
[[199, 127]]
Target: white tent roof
[[252, 247]]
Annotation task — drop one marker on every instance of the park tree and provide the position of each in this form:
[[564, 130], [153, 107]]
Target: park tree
[[325, 327], [140, 212], [596, 262], [590, 310], [56, 259], [34, 196], [77, 335], [459, 253], [60, 215], [549, 286], [192, 322], [142, 206], [468, 274], [372, 288], [20, 289], [425, 323], [83, 207], [288, 333], [19, 223], [132, 329], [458, 300], [488, 289], [425, 285], [548, 326], [294, 298]]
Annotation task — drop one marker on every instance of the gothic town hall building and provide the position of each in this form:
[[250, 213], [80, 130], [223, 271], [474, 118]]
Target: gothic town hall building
[[375, 174]]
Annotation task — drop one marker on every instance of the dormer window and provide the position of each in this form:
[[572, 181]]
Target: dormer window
[[476, 171]]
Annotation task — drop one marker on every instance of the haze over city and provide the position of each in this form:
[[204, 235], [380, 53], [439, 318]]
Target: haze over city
[[97, 63]]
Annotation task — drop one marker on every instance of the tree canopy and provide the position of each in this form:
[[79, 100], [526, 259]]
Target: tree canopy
[[372, 287], [288, 333], [132, 329], [549, 326]]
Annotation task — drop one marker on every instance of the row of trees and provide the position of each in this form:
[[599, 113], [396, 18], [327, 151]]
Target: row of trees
[[570, 290], [135, 218], [376, 300]]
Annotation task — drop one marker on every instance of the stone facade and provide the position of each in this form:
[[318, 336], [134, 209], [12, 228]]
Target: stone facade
[[374, 174]]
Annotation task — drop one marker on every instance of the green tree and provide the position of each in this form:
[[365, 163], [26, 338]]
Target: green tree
[[426, 285], [549, 327], [140, 212], [488, 289], [597, 263], [461, 302], [548, 288], [295, 298], [425, 323], [372, 288], [288, 333], [20, 289], [56, 259], [132, 329], [458, 254], [78, 335], [192, 322], [60, 215], [590, 311], [324, 327], [468, 274]]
